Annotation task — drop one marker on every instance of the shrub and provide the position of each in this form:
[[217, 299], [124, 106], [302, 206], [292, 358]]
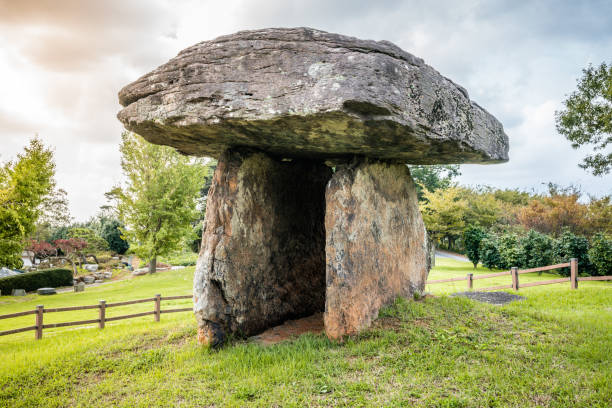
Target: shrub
[[489, 253], [38, 279], [471, 238], [510, 251], [600, 254], [537, 249], [570, 245]]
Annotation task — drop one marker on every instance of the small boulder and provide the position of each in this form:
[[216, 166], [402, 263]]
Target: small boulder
[[91, 267], [79, 287], [46, 291], [18, 292], [89, 279]]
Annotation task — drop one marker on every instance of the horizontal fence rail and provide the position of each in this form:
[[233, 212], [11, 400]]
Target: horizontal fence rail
[[515, 272], [101, 320]]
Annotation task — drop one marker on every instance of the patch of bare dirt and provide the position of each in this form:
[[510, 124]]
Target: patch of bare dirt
[[291, 329]]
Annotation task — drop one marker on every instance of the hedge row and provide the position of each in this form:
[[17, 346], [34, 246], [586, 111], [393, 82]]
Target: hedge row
[[534, 249], [31, 281]]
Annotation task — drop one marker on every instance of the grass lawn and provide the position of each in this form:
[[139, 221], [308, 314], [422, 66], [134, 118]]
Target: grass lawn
[[552, 349]]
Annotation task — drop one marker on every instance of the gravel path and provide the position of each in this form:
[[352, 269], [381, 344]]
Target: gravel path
[[494, 298]]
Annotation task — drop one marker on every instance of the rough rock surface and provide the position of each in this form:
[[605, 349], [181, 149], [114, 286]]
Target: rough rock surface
[[307, 93], [263, 249], [376, 245]]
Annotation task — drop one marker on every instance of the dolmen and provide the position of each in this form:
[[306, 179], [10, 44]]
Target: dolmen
[[312, 207]]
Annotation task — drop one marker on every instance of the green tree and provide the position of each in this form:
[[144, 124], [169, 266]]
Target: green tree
[[510, 251], [110, 230], [433, 177], [24, 185], [570, 245], [159, 202], [489, 252], [587, 117], [472, 236], [444, 213], [600, 254], [537, 249], [95, 243]]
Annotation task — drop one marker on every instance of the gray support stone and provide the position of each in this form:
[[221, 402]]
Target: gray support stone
[[263, 248]]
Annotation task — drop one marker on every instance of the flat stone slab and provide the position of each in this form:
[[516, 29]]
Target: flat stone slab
[[495, 298], [46, 291], [18, 292], [300, 92]]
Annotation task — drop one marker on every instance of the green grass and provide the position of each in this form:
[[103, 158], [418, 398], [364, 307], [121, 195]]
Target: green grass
[[551, 349]]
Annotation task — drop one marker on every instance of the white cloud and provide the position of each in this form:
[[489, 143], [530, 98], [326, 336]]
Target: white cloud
[[63, 62]]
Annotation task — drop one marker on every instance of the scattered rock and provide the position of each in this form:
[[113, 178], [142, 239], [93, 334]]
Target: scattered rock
[[495, 298], [46, 291], [90, 267], [107, 275], [300, 92], [18, 292], [79, 287], [88, 279], [377, 247]]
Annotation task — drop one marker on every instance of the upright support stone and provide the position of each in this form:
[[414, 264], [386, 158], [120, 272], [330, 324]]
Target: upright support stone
[[262, 259], [377, 246]]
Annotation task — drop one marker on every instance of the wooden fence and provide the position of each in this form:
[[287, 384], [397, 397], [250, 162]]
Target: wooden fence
[[101, 320], [515, 272]]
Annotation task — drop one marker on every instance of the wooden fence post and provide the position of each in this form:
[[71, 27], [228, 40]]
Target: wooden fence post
[[102, 314], [39, 321], [157, 307], [574, 273], [515, 278], [470, 280]]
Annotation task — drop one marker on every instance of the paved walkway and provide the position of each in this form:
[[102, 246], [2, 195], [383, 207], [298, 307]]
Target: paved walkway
[[446, 254]]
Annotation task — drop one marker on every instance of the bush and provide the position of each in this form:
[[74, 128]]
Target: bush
[[510, 251], [471, 238], [600, 254], [570, 245], [489, 253], [31, 281], [537, 249]]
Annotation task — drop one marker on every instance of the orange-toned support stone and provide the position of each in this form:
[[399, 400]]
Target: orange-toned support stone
[[376, 243]]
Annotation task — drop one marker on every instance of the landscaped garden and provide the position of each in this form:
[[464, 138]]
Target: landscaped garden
[[550, 349]]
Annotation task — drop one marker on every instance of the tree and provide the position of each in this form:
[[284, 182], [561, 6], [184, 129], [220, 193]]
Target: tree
[[54, 215], [159, 202], [560, 209], [537, 249], [587, 117], [510, 251], [95, 243], [24, 185], [570, 245], [444, 212], [600, 254], [433, 177], [472, 236], [489, 252], [111, 232]]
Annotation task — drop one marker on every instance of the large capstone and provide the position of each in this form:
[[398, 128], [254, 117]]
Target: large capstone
[[263, 249], [301, 92], [376, 245]]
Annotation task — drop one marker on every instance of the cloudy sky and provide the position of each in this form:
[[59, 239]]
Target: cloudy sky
[[62, 63]]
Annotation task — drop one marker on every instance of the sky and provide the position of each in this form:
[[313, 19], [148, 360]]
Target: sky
[[62, 63]]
